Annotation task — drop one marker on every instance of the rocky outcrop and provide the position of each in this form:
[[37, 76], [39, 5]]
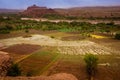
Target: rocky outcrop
[[5, 62], [59, 76], [1, 46], [36, 11]]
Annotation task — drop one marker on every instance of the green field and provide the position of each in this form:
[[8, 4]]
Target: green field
[[38, 62], [48, 63]]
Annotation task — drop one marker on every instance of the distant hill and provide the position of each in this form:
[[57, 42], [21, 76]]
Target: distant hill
[[36, 11], [100, 11], [10, 11], [79, 12]]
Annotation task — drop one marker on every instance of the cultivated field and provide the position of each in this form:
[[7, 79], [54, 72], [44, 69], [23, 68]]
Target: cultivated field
[[58, 52]]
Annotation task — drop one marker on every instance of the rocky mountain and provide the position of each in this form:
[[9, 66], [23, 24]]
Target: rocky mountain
[[36, 11]]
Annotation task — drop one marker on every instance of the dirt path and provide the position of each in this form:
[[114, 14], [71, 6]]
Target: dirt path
[[64, 47]]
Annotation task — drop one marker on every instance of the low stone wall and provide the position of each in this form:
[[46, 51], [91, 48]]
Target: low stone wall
[[59, 76]]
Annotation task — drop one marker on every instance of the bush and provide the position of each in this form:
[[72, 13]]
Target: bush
[[4, 32], [14, 70], [26, 31], [91, 64], [52, 36], [117, 36]]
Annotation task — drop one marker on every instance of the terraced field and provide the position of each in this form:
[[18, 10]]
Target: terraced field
[[64, 47], [84, 47], [38, 62], [44, 55]]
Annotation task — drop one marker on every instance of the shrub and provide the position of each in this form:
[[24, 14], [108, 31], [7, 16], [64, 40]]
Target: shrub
[[4, 32], [52, 36], [26, 31], [91, 64], [117, 36], [14, 70]]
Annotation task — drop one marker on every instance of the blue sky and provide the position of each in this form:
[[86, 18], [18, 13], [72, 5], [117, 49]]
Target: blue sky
[[23, 4]]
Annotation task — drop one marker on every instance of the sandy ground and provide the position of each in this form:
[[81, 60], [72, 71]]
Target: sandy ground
[[64, 47]]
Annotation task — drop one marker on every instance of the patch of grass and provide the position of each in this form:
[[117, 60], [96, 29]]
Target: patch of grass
[[59, 35], [67, 30]]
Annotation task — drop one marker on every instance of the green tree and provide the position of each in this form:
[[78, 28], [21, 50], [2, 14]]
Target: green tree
[[91, 65], [117, 36], [14, 70]]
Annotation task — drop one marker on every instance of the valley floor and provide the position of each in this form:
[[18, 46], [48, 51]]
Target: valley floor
[[48, 54]]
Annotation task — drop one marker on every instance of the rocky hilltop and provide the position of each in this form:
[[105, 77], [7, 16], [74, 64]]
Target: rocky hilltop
[[5, 63], [36, 11]]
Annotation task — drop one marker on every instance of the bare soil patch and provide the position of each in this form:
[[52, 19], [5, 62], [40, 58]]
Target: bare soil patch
[[73, 32], [22, 49], [59, 35]]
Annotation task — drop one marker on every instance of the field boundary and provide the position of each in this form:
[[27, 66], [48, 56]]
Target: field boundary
[[43, 71], [23, 58]]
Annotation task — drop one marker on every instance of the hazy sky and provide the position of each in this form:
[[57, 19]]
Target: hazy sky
[[22, 4]]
